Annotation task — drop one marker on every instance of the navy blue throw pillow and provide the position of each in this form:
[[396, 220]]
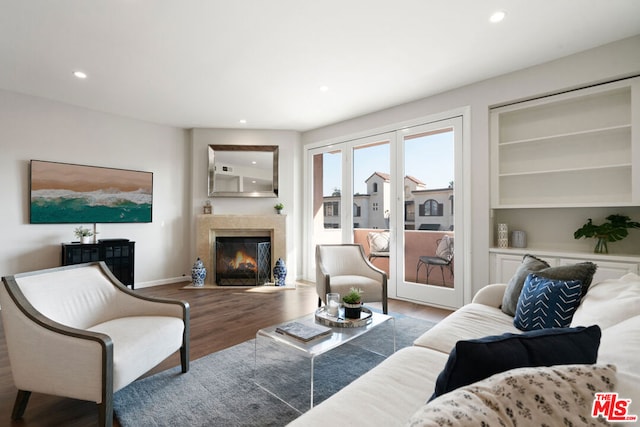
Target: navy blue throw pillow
[[547, 303], [475, 360]]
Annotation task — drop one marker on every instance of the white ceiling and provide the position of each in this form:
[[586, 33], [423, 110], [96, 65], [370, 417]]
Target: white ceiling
[[211, 63]]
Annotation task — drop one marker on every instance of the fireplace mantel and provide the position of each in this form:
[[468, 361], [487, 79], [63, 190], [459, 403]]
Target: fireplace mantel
[[210, 226]]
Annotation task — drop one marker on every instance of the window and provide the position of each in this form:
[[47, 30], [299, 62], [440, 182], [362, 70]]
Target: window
[[431, 208], [375, 187], [331, 209], [356, 210], [374, 206], [409, 211]]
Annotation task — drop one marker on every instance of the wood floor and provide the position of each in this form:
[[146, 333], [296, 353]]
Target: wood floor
[[220, 318]]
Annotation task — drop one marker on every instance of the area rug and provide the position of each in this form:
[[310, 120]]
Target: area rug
[[219, 389]]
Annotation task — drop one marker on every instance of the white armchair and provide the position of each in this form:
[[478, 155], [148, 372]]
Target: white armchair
[[341, 267], [77, 332]]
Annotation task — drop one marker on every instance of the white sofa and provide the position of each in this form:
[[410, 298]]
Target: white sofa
[[398, 388]]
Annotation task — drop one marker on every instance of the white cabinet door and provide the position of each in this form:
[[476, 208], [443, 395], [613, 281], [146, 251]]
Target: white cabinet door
[[505, 266], [606, 269]]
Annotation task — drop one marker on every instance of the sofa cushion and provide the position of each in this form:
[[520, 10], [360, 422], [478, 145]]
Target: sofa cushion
[[385, 396], [547, 303], [527, 396], [609, 302], [529, 264], [468, 322], [474, 360], [619, 346], [140, 342]]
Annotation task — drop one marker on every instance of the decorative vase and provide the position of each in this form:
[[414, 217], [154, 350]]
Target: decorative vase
[[279, 272], [601, 246], [198, 273], [86, 239], [352, 311]]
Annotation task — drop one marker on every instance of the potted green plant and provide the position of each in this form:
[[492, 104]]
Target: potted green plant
[[612, 231], [84, 234], [278, 207], [352, 303]]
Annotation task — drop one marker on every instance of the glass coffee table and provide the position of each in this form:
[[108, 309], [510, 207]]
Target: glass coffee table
[[284, 365]]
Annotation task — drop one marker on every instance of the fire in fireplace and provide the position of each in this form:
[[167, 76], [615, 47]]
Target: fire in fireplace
[[243, 261]]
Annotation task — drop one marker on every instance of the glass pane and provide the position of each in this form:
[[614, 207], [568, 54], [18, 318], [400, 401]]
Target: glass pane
[[371, 186], [429, 207], [327, 198], [372, 200]]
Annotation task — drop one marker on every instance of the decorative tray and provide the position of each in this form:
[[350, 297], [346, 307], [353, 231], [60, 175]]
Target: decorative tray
[[324, 318]]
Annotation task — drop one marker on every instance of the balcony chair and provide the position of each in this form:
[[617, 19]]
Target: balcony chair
[[78, 332], [443, 258], [341, 267], [378, 242]]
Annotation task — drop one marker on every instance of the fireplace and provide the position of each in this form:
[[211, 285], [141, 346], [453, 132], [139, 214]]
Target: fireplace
[[242, 261], [212, 227]]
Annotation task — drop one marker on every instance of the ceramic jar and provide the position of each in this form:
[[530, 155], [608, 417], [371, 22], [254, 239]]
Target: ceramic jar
[[198, 273], [280, 272]]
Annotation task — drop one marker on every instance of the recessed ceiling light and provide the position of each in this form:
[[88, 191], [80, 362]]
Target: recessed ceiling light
[[324, 88], [243, 122], [497, 16], [80, 74], [253, 162]]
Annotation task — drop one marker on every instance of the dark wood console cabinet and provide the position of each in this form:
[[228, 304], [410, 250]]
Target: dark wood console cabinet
[[117, 254]]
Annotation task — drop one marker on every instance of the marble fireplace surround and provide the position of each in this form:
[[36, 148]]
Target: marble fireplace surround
[[210, 226]]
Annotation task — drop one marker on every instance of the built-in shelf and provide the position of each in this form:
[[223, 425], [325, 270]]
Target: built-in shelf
[[559, 160], [573, 149]]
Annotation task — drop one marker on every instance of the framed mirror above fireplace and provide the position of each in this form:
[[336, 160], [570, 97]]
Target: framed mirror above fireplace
[[243, 171]]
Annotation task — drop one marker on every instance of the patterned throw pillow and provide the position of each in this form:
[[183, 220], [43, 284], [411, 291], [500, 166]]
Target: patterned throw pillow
[[378, 241], [551, 396], [510, 299], [547, 303]]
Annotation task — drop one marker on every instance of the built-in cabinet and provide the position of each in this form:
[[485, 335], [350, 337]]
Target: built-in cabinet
[[505, 262], [557, 161]]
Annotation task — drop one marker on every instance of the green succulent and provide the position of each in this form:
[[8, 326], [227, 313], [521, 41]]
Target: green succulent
[[353, 297]]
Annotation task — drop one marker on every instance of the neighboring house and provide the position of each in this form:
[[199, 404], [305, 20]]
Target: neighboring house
[[424, 209]]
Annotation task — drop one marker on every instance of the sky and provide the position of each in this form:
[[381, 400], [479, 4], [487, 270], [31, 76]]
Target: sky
[[428, 158]]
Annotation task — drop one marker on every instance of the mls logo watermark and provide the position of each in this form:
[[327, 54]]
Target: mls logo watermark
[[612, 408]]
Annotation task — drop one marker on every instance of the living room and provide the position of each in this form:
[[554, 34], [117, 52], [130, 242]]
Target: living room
[[38, 128], [35, 126]]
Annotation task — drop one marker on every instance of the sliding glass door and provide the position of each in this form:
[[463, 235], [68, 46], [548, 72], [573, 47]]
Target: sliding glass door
[[394, 193]]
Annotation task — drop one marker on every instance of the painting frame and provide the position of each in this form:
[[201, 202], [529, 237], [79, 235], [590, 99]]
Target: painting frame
[[69, 193]]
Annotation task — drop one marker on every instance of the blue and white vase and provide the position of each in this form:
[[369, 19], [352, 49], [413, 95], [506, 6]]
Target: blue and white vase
[[198, 273], [280, 272]]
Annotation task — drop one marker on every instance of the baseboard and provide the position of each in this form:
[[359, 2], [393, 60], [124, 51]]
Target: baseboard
[[168, 281]]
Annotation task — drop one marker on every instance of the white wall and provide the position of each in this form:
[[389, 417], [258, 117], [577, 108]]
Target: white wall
[[289, 163], [620, 59], [36, 128]]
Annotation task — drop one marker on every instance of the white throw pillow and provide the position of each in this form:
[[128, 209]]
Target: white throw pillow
[[609, 302]]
